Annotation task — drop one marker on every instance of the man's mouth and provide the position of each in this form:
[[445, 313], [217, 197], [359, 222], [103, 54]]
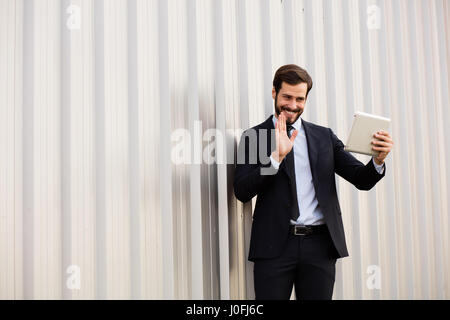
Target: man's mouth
[[292, 113]]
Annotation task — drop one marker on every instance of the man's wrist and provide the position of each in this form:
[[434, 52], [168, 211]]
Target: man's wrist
[[378, 167], [275, 156], [380, 163], [274, 161]]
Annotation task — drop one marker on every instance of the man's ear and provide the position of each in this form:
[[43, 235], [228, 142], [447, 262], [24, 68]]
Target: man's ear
[[273, 93]]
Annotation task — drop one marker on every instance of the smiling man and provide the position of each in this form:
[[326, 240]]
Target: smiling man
[[297, 231]]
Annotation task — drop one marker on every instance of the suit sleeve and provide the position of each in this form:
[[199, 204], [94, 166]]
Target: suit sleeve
[[250, 175], [363, 177]]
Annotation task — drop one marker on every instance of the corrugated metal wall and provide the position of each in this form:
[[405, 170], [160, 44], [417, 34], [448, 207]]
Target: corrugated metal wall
[[92, 205]]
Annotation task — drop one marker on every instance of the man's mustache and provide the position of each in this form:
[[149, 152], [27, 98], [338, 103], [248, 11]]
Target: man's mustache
[[287, 109]]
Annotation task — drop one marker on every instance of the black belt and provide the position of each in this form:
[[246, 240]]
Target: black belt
[[298, 230]]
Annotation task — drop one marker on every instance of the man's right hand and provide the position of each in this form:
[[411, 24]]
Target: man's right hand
[[284, 144]]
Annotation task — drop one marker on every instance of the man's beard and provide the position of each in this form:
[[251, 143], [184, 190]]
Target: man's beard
[[279, 109]]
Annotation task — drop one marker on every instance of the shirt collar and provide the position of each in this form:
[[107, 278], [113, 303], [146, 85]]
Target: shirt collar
[[297, 124]]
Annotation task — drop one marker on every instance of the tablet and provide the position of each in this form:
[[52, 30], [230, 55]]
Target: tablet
[[363, 128]]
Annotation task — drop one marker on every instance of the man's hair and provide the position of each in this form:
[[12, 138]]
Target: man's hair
[[291, 74]]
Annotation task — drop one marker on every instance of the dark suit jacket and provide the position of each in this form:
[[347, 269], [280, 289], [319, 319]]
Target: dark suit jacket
[[271, 217]]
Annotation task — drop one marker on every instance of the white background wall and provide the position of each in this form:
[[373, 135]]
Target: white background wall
[[91, 205]]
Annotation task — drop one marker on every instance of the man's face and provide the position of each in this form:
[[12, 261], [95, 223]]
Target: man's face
[[291, 100]]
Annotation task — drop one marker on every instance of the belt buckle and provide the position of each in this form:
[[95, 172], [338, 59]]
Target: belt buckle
[[302, 230]]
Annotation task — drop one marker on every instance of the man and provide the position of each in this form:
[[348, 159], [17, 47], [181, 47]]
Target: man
[[297, 231]]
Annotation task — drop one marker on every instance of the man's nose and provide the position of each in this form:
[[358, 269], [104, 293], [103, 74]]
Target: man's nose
[[292, 105]]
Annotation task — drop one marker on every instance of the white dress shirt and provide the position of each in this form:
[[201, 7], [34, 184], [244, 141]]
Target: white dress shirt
[[308, 206]]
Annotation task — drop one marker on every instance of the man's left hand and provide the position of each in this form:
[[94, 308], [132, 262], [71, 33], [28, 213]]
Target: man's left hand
[[383, 143]]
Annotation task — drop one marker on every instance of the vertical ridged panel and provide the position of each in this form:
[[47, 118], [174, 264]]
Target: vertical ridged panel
[[87, 123]]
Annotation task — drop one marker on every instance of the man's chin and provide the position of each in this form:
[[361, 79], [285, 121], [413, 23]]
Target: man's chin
[[292, 119]]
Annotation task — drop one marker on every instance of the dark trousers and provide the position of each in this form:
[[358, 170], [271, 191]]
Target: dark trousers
[[308, 262]]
